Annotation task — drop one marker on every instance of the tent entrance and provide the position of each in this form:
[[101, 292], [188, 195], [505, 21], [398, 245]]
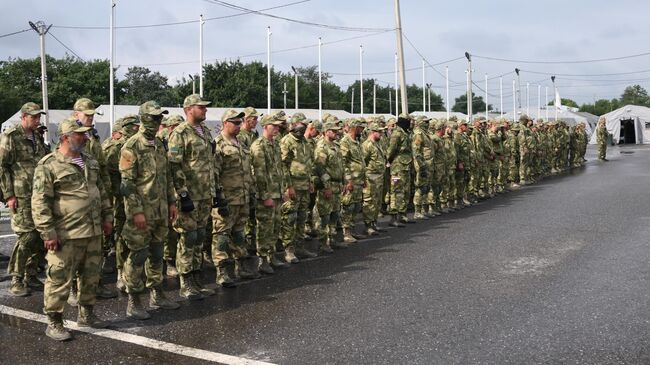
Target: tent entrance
[[628, 133]]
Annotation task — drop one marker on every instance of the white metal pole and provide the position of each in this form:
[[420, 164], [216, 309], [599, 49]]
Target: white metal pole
[[284, 93], [539, 101], [486, 98], [374, 97], [361, 77], [501, 96], [352, 103], [201, 22], [424, 95], [42, 29], [468, 110], [470, 94], [268, 70], [546, 104], [320, 82], [295, 72], [396, 89], [111, 109], [447, 89], [400, 50], [390, 101], [429, 97], [514, 100], [528, 99]]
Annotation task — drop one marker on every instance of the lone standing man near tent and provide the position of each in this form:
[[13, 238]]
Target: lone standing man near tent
[[601, 139]]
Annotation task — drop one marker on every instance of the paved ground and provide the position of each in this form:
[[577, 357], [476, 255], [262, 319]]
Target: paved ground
[[553, 273]]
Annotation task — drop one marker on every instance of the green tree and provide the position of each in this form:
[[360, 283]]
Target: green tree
[[635, 95], [600, 107], [140, 85], [565, 102], [478, 105]]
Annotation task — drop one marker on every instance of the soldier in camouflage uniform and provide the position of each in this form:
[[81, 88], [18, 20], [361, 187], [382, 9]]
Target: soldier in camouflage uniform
[[20, 150], [513, 159], [437, 129], [496, 144], [270, 187], [191, 151], [312, 135], [247, 135], [400, 156], [422, 163], [298, 163], [374, 157], [328, 180], [150, 206], [171, 240], [447, 195], [525, 151], [84, 114], [464, 163], [354, 179], [123, 129], [230, 210], [601, 139], [71, 210]]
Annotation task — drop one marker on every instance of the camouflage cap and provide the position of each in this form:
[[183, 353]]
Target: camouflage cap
[[453, 118], [391, 121], [463, 121], [231, 114], [298, 118], [331, 126], [422, 118], [173, 120], [353, 122], [524, 118], [280, 115], [440, 125], [270, 119], [452, 124], [70, 125], [118, 125], [515, 127], [131, 119], [250, 112], [151, 108], [316, 124], [375, 127], [31, 109], [195, 99], [406, 116], [85, 106]]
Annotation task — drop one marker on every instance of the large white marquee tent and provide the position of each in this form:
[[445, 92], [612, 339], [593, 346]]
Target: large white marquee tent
[[627, 124]]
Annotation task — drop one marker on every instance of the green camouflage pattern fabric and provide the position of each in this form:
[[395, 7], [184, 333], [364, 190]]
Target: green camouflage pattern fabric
[[375, 159], [328, 176], [354, 167], [399, 156]]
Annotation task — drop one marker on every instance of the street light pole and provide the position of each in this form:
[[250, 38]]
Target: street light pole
[[320, 82], [424, 95], [400, 50], [284, 93], [374, 96], [42, 30], [501, 96], [470, 95], [295, 73], [352, 103], [268, 70], [447, 89], [201, 22], [361, 77], [518, 88], [396, 89]]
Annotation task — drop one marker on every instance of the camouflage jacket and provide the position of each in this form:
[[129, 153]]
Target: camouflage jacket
[[399, 149], [246, 137], [18, 159], [354, 164], [191, 161], [374, 158], [421, 147], [111, 148], [94, 149], [232, 170], [163, 136], [297, 160], [328, 166], [146, 178], [268, 175], [449, 153], [463, 149], [438, 153], [69, 202]]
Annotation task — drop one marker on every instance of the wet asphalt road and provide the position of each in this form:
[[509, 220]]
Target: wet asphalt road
[[553, 273]]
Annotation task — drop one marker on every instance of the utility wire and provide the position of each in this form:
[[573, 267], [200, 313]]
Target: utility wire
[[176, 23], [63, 44], [14, 33], [568, 61], [312, 24], [586, 75]]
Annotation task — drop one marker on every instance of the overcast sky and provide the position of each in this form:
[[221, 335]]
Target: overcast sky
[[549, 30]]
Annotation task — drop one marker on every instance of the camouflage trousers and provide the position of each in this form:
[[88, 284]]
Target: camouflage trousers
[[525, 168], [268, 226], [448, 186], [513, 169], [145, 255], [28, 247], [602, 151], [400, 184], [80, 258], [192, 233], [121, 252], [228, 237], [502, 178], [170, 245], [328, 211], [422, 186], [251, 225], [372, 197], [433, 197], [461, 180], [351, 205], [294, 216]]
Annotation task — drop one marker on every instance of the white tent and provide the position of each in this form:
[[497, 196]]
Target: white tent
[[626, 124], [570, 117], [441, 115]]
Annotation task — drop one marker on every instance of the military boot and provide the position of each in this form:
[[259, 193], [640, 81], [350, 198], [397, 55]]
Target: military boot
[[135, 309], [445, 209], [223, 277], [158, 300], [419, 215], [325, 246], [72, 297], [277, 263], [207, 257], [347, 236], [265, 266], [119, 284], [55, 329], [336, 244], [377, 227], [304, 253], [394, 221], [32, 282], [358, 235], [197, 278], [433, 211], [171, 270], [466, 201], [188, 290], [370, 230], [403, 218], [106, 267], [243, 272], [290, 255], [86, 318], [18, 287], [105, 292]]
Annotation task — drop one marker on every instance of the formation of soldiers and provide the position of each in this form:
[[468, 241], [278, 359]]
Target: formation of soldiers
[[168, 197]]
